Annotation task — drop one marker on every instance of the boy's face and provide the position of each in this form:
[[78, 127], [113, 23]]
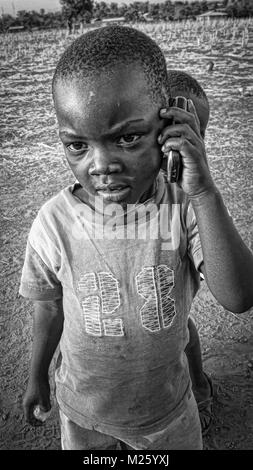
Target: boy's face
[[109, 130], [200, 105]]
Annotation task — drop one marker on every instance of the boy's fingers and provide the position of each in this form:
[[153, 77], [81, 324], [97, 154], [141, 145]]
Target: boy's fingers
[[29, 416], [181, 145], [180, 116], [29, 405], [168, 132], [34, 414], [46, 406], [178, 130]]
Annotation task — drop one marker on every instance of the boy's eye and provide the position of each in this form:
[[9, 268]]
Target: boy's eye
[[128, 139], [77, 147]]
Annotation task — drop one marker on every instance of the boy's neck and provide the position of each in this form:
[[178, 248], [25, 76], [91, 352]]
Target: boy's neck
[[148, 194]]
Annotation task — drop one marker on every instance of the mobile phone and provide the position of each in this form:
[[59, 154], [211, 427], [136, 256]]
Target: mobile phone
[[174, 165]]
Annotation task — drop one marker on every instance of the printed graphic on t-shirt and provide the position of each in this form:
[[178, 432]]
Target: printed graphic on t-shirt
[[101, 300], [154, 284], [95, 306]]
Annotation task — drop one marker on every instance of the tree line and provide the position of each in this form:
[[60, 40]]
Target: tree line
[[85, 11]]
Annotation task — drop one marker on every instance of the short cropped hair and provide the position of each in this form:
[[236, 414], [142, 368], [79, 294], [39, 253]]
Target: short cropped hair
[[179, 80], [182, 81], [103, 49]]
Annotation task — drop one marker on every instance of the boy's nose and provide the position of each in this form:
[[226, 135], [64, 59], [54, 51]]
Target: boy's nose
[[103, 163]]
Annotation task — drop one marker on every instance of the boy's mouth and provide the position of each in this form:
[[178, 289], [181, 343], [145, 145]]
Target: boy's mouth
[[113, 192]]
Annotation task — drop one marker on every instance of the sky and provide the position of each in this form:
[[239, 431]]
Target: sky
[[9, 6]]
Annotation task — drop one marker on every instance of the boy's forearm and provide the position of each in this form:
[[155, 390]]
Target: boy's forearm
[[228, 263], [47, 329]]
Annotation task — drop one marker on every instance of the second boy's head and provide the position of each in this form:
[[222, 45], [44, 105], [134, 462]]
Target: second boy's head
[[182, 84], [108, 88]]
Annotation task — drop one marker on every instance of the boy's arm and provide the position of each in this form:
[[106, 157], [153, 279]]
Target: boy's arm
[[47, 329], [228, 263]]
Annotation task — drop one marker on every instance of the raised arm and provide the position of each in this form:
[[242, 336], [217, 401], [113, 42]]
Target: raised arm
[[228, 263], [47, 329]]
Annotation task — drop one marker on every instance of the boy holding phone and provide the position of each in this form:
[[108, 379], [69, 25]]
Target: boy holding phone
[[120, 306], [187, 87]]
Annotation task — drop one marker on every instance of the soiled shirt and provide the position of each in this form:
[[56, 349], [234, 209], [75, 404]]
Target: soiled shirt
[[127, 290]]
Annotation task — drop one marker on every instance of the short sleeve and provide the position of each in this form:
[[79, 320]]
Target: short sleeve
[[39, 275], [194, 244]]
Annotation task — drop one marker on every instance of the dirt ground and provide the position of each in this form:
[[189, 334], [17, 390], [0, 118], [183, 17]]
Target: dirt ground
[[33, 169], [226, 339]]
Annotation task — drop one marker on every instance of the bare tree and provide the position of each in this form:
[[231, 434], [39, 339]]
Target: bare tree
[[75, 10]]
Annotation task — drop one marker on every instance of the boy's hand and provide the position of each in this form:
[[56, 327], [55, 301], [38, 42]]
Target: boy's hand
[[37, 393], [185, 137]]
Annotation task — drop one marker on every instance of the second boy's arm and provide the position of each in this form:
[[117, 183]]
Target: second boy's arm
[[47, 329], [228, 263]]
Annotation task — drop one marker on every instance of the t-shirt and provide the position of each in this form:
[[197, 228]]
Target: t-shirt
[[127, 284]]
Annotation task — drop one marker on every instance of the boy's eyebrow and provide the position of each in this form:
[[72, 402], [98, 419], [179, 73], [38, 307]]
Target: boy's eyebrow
[[115, 129]]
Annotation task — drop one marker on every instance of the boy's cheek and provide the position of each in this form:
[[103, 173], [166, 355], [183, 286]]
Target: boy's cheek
[[149, 162]]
